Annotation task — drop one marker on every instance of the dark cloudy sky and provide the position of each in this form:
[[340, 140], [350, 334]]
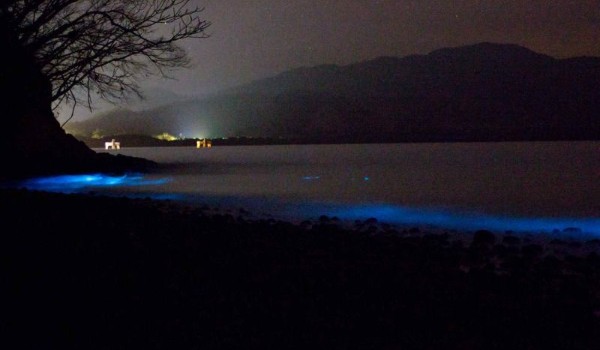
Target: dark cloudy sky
[[252, 39]]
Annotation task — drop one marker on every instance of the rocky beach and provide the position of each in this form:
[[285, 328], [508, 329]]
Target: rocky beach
[[94, 272]]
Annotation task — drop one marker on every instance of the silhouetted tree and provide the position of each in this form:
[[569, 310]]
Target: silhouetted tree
[[102, 47]]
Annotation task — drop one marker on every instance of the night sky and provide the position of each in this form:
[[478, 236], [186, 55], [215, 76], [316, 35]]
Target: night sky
[[254, 39]]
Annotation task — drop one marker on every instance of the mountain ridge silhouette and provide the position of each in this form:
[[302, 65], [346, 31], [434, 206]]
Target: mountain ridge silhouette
[[480, 92]]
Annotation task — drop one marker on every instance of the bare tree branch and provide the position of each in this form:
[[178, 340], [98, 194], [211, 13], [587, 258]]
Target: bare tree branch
[[103, 47]]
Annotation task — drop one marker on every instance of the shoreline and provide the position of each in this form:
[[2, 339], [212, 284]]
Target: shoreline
[[133, 140], [569, 241], [208, 205]]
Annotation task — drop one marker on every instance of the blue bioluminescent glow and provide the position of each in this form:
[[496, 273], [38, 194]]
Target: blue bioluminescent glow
[[446, 218], [450, 219], [71, 183], [159, 196]]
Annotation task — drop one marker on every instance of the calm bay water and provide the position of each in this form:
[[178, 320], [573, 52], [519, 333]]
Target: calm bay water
[[499, 186]]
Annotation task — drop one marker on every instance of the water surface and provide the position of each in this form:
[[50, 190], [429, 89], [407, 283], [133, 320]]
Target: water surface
[[499, 186]]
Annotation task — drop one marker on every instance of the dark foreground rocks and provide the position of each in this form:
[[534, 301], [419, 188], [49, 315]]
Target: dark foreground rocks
[[92, 272]]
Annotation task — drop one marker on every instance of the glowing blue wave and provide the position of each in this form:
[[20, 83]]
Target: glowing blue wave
[[461, 221], [388, 213], [72, 183]]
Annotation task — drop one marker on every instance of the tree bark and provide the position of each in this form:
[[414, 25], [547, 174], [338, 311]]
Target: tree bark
[[33, 142]]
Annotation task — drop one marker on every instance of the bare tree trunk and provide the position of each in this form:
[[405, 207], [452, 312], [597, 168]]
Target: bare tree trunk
[[33, 143]]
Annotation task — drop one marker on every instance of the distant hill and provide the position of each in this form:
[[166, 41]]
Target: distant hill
[[482, 92]]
